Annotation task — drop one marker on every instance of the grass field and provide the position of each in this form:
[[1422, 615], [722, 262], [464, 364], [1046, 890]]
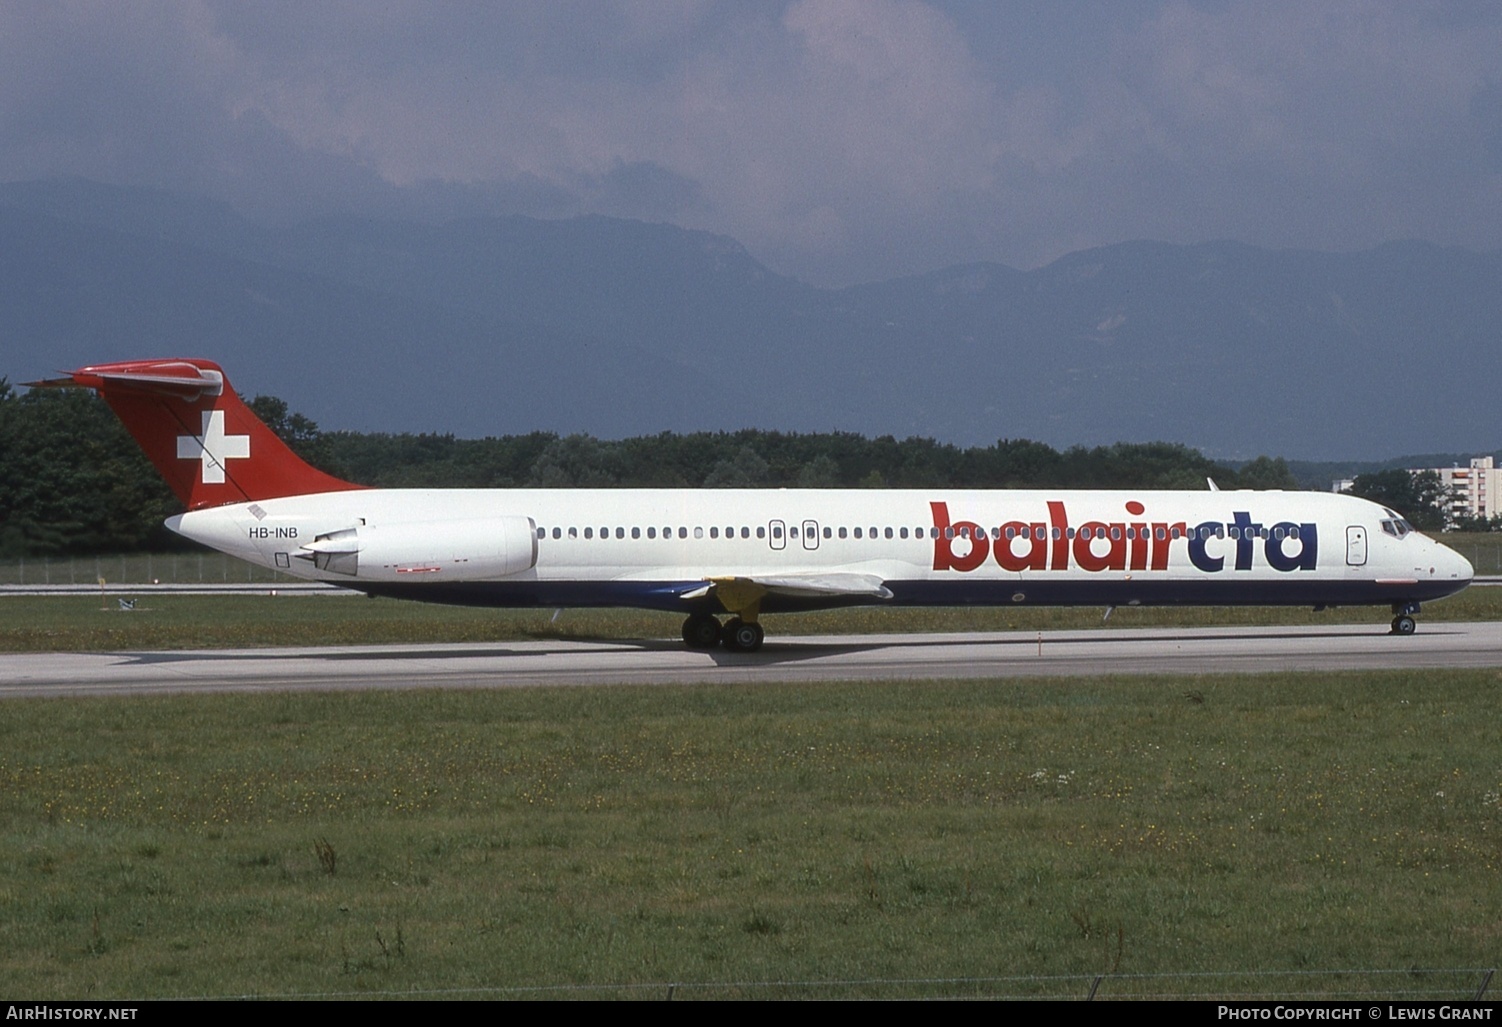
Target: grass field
[[991, 838], [459, 843], [84, 623]]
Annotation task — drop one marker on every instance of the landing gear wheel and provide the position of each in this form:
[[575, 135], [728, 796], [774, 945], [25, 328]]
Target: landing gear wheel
[[740, 637], [701, 631], [1403, 624]]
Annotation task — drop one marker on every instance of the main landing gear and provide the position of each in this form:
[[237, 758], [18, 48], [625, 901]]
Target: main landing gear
[[701, 631], [1403, 622]]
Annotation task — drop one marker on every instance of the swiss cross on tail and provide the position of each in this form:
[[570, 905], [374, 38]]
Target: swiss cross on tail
[[213, 447], [198, 434]]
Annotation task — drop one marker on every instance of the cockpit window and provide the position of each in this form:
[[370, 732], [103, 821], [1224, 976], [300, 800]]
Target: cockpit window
[[1397, 527]]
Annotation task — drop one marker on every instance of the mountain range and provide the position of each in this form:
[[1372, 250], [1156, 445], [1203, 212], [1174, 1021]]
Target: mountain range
[[618, 328]]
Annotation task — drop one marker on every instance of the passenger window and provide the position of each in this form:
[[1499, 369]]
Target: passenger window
[[714, 531], [573, 533], [589, 533], [888, 533], [620, 532], [761, 532], [842, 532], [698, 532], [902, 532], [857, 533], [682, 532], [651, 532], [636, 533], [542, 532]]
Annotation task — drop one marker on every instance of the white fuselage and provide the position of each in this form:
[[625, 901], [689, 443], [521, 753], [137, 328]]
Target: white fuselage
[[652, 547]]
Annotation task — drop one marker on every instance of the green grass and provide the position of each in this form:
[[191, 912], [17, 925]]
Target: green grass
[[448, 842], [84, 623], [136, 568]]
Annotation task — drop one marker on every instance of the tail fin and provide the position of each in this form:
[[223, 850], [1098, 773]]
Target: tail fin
[[200, 436]]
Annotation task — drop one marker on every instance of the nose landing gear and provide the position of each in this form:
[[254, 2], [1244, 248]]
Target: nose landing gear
[[1402, 621]]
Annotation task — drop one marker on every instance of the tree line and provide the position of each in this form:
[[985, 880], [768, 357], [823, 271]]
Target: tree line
[[73, 481]]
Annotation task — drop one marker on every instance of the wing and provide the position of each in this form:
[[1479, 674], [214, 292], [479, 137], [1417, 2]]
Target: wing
[[739, 592]]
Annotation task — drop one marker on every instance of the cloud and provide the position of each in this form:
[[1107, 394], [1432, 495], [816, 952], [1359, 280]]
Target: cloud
[[1340, 122], [838, 139]]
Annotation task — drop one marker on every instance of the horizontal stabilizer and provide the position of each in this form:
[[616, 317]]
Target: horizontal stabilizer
[[171, 378]]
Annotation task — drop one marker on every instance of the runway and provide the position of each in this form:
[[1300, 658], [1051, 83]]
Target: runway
[[1161, 651]]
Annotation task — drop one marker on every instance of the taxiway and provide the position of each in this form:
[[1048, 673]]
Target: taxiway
[[1163, 651]]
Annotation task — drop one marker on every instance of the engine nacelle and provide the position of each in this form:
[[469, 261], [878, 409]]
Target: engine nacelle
[[476, 549]]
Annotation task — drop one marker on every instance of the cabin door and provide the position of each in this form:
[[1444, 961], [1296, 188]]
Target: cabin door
[[777, 535], [1355, 546]]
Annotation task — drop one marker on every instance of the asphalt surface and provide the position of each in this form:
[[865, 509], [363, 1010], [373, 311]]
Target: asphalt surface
[[1160, 651]]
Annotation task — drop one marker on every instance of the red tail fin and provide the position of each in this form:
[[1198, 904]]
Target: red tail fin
[[206, 442]]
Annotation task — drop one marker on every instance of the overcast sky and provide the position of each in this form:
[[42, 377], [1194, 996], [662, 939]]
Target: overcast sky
[[840, 140]]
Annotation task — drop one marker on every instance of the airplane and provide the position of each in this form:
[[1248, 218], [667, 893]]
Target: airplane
[[741, 553]]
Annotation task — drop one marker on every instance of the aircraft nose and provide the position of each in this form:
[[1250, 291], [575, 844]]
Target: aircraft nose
[[1452, 565], [1466, 570]]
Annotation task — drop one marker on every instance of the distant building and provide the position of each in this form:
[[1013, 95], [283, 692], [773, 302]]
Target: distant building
[[1475, 490]]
